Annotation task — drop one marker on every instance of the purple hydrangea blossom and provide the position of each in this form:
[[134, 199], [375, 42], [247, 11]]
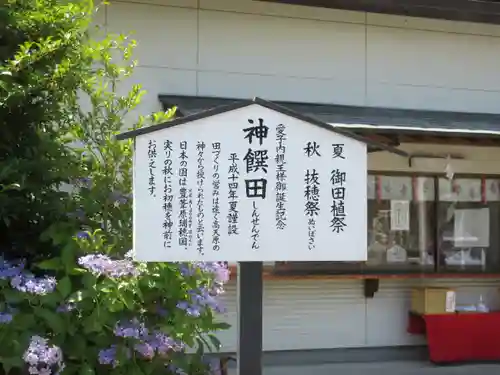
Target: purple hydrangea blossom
[[8, 270], [205, 297], [66, 307], [82, 235], [219, 270], [186, 270], [158, 343], [145, 349], [5, 317], [176, 370], [163, 344], [109, 356], [190, 309], [42, 358], [100, 264], [158, 309], [119, 198], [148, 345], [27, 283], [84, 182], [132, 328]]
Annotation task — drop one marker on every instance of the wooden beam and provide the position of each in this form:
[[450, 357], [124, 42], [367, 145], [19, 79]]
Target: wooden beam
[[455, 10], [269, 275]]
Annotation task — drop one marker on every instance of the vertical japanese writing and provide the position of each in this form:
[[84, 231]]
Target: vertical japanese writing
[[338, 179], [255, 226], [183, 196], [338, 151], [168, 197], [216, 150], [190, 218], [311, 193], [200, 197], [152, 166], [312, 149], [233, 184], [312, 208], [256, 163], [281, 177]]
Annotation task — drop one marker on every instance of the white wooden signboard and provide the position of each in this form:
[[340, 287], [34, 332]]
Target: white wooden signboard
[[249, 184]]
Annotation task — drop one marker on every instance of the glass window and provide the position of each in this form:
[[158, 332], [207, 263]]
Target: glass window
[[401, 230], [401, 233], [468, 222], [406, 219]]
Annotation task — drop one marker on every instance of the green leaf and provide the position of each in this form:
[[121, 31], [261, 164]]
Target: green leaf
[[68, 256], [220, 326], [12, 296], [115, 305], [64, 286], [10, 363], [200, 350], [50, 264], [92, 324], [53, 320], [26, 321], [86, 370], [215, 342]]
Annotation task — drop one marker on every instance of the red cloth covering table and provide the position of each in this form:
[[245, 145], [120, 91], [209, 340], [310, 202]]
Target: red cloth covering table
[[460, 337]]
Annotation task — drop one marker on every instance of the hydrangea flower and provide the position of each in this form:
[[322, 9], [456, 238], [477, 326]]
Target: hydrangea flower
[[82, 235], [109, 356], [100, 264], [176, 370], [190, 309], [9, 270], [205, 297], [158, 343], [5, 317], [132, 328], [158, 309], [27, 283], [66, 307], [145, 349], [84, 182], [42, 358], [219, 270], [148, 345], [119, 198]]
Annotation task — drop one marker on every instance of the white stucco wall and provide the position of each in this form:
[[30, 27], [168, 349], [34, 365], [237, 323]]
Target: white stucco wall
[[244, 48]]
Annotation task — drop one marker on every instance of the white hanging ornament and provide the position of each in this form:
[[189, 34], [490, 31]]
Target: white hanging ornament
[[448, 169]]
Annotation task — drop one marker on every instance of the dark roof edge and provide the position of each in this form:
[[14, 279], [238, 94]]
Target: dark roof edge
[[182, 120], [171, 100], [267, 104], [359, 119]]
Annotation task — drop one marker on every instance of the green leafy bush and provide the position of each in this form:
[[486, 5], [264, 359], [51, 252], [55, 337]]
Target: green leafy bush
[[71, 298], [40, 71]]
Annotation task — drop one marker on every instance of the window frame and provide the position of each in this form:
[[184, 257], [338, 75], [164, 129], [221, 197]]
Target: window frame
[[361, 269]]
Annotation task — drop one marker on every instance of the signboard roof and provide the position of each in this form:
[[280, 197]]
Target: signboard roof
[[249, 182]]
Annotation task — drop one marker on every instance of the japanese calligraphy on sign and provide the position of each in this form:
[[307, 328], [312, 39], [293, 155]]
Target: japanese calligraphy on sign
[[252, 184]]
